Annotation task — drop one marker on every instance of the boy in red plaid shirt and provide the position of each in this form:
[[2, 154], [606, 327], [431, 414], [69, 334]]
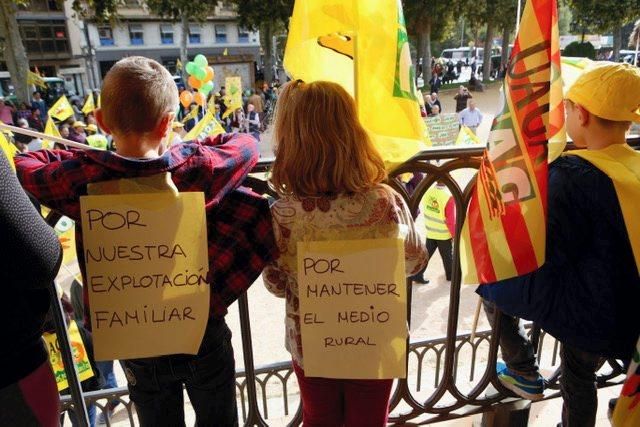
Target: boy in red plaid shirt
[[139, 99]]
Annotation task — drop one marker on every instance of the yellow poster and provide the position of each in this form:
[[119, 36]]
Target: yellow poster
[[233, 98], [208, 126], [147, 265], [353, 318], [78, 350]]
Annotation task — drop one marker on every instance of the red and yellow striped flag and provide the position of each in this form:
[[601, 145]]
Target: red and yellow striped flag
[[505, 230]]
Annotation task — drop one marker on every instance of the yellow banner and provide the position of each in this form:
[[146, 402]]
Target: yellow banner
[[146, 259], [353, 318], [8, 149], [467, 137], [50, 129], [208, 126], [36, 80], [61, 109], [233, 99], [89, 105], [363, 46], [78, 350]]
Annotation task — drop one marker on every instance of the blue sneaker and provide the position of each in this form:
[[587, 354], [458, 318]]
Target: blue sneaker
[[523, 387]]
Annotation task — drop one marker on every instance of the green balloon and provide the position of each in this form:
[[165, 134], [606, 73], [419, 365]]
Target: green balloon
[[190, 67], [199, 73], [201, 61], [206, 88]]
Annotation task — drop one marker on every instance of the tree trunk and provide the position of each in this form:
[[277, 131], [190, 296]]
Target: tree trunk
[[14, 52], [506, 32], [266, 34], [184, 53], [486, 63], [617, 43], [426, 75], [419, 60]]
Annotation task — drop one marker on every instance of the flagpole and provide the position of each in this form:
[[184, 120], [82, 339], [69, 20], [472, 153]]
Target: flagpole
[[40, 135], [518, 17]]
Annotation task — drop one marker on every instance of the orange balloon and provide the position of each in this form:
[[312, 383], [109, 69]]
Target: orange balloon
[[210, 74], [200, 99], [186, 98], [194, 82]]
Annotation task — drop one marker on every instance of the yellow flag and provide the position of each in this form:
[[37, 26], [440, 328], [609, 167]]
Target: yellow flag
[[467, 137], [233, 99], [50, 129], [226, 52], [193, 114], [36, 80], [208, 126], [8, 149], [178, 65], [89, 105], [61, 110], [363, 46]]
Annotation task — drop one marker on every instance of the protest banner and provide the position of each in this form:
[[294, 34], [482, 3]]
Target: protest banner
[[146, 268], [443, 129], [467, 137], [208, 126], [353, 318], [80, 356]]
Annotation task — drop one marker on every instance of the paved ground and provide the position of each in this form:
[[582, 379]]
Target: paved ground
[[430, 306]]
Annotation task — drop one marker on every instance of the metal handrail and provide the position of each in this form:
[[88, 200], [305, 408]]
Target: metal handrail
[[448, 347]]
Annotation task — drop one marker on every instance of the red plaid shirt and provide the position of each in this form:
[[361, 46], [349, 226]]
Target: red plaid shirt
[[239, 226]]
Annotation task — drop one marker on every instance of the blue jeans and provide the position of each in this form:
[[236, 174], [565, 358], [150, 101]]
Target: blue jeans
[[91, 411], [577, 369], [106, 371], [155, 384]]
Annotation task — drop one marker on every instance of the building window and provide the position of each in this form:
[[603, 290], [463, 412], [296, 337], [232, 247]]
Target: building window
[[243, 35], [131, 4], [40, 6], [227, 6], [47, 37], [194, 34], [166, 33], [221, 33], [136, 35], [106, 36]]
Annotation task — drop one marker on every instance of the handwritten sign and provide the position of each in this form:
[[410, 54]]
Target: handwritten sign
[[79, 352], [147, 265], [443, 129], [353, 317]]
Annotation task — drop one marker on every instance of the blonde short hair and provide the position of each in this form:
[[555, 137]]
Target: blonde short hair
[[137, 93], [321, 147]]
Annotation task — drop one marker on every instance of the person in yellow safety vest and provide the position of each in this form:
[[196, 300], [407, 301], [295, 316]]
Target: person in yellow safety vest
[[95, 139], [439, 213]]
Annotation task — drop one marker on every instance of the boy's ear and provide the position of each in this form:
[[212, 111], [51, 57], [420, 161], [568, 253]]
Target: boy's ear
[[100, 119], [584, 116], [164, 125]]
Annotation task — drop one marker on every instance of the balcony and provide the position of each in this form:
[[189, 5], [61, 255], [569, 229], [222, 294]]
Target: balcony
[[450, 376]]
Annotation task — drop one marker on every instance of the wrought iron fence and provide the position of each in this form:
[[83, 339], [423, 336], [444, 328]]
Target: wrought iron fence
[[414, 400]]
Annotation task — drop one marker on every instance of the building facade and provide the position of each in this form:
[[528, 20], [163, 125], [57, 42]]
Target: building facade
[[81, 52], [231, 50]]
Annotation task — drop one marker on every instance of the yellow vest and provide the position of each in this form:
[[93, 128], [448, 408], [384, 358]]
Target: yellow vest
[[98, 141], [621, 163], [433, 207]]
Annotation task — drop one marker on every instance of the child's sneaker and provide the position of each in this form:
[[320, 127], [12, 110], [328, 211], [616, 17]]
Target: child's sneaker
[[523, 387]]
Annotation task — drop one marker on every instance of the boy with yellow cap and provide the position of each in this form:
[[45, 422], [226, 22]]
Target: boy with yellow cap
[[587, 291]]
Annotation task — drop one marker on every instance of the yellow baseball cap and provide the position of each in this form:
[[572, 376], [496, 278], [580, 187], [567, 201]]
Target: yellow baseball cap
[[78, 124], [609, 90], [92, 128]]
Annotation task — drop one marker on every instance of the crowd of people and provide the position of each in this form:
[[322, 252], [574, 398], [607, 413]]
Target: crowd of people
[[584, 294]]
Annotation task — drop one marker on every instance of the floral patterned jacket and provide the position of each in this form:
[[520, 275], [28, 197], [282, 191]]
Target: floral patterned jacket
[[377, 213]]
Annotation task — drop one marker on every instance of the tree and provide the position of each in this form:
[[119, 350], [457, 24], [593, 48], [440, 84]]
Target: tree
[[270, 17], [183, 11], [174, 10], [427, 21], [15, 54], [605, 16]]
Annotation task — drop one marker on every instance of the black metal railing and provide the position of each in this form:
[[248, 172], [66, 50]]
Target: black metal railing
[[414, 399]]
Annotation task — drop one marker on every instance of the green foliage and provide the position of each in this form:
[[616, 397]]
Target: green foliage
[[603, 15], [565, 17], [438, 15], [176, 9], [254, 14], [580, 50]]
